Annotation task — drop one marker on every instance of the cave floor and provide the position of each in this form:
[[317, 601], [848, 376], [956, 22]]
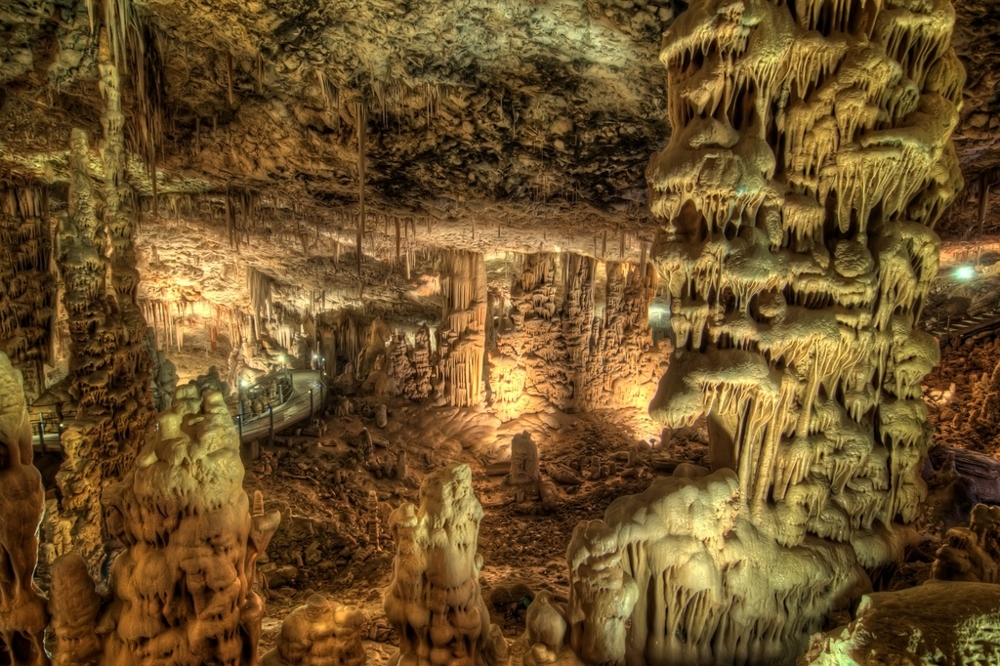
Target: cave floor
[[327, 541]]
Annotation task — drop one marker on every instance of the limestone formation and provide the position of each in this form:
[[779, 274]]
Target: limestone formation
[[971, 553], [183, 587], [74, 606], [935, 623], [434, 601], [545, 638], [320, 633], [554, 347], [602, 595], [524, 473], [809, 161], [705, 572], [109, 366], [27, 285], [23, 616], [462, 345]]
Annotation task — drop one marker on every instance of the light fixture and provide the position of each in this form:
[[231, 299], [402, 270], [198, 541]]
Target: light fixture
[[965, 272], [243, 383]]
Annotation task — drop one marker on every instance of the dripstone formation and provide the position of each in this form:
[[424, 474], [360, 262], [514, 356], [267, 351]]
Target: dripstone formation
[[434, 600], [109, 364], [809, 161], [23, 615]]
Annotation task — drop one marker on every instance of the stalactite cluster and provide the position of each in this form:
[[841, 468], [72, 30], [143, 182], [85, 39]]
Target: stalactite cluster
[[809, 161], [462, 344], [27, 284]]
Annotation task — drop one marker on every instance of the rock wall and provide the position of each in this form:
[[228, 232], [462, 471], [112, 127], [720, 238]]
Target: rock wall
[[27, 284], [23, 615], [462, 336], [553, 348], [810, 159], [109, 367]]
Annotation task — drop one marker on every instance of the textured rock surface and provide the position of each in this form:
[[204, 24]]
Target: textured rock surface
[[797, 193], [189, 536], [109, 363], [319, 633], [936, 623], [23, 616], [699, 562], [434, 600]]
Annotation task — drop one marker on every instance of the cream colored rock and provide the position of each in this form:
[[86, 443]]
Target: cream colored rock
[[320, 633], [546, 636], [601, 596], [712, 586], [434, 601], [810, 158]]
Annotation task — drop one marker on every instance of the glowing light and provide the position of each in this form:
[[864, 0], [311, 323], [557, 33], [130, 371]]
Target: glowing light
[[965, 272], [244, 383]]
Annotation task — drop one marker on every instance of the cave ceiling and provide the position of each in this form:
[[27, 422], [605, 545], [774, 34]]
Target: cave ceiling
[[496, 126]]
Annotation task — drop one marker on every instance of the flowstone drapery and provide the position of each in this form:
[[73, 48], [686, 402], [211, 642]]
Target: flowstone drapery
[[22, 499], [809, 160]]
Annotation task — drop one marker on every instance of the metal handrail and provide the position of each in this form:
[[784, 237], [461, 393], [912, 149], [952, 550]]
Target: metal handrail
[[277, 417]]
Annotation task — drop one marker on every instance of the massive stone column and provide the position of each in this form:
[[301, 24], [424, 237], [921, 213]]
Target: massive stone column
[[109, 366], [810, 159]]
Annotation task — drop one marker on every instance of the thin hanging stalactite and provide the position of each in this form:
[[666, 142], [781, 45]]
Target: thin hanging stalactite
[[360, 117]]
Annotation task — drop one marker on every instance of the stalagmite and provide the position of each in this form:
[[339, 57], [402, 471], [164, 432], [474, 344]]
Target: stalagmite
[[434, 600], [23, 614], [602, 595], [319, 633], [184, 584]]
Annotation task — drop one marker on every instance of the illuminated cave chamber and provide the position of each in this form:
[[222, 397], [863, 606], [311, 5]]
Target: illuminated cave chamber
[[511, 446], [809, 161]]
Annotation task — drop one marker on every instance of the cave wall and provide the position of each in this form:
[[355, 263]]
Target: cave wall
[[27, 284]]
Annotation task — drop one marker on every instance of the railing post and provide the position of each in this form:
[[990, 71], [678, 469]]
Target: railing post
[[310, 403], [41, 433], [239, 422], [270, 417]]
